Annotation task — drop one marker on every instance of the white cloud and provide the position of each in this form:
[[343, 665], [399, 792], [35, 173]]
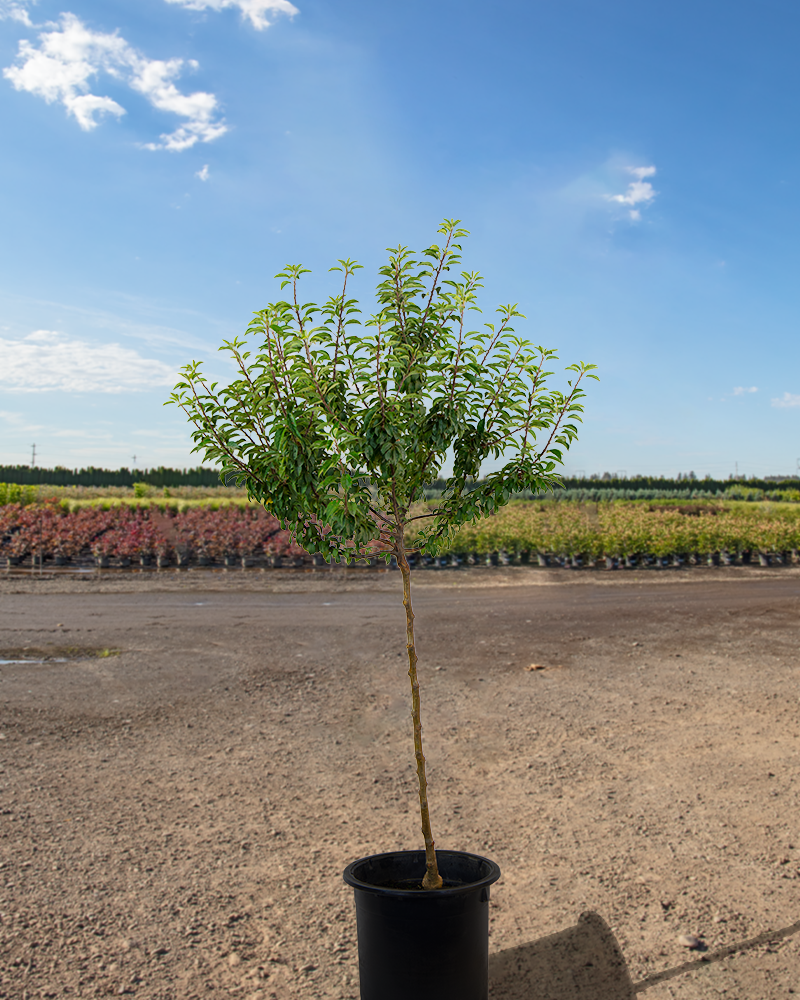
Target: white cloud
[[787, 400], [203, 173], [16, 10], [18, 421], [255, 10], [71, 55], [639, 191], [740, 390], [45, 361]]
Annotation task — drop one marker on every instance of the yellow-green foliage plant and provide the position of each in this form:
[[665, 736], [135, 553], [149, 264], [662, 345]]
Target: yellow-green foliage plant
[[14, 493], [623, 529]]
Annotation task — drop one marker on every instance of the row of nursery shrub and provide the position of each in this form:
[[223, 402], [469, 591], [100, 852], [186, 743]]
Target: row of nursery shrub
[[122, 533], [16, 493], [598, 494], [137, 495], [619, 530]]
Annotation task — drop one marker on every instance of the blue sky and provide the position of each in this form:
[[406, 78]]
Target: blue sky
[[628, 172]]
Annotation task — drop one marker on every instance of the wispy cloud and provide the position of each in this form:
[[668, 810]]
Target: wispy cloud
[[18, 421], [16, 10], [128, 317], [45, 361], [639, 191], [742, 390], [203, 173], [787, 400], [71, 55], [255, 10]]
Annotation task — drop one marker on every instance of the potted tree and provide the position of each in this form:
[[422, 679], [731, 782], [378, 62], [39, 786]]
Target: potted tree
[[336, 426]]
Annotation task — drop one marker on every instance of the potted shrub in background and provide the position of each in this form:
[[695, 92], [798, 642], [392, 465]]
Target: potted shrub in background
[[336, 426]]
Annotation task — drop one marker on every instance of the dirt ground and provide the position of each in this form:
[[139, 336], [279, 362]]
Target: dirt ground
[[175, 816]]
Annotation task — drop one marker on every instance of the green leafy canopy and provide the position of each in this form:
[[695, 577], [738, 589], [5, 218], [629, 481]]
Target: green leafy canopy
[[337, 424]]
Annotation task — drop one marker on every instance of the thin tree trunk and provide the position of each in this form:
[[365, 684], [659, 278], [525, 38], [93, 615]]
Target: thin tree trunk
[[432, 879]]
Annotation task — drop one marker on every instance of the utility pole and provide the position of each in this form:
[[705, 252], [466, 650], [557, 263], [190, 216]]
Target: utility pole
[[33, 457]]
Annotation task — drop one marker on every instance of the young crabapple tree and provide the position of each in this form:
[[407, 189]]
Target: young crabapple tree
[[337, 424]]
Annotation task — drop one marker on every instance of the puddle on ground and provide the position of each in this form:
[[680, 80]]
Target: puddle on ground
[[19, 655], [58, 659]]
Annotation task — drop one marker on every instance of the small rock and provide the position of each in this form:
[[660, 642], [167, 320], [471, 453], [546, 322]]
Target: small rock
[[234, 960], [536, 666], [690, 941]]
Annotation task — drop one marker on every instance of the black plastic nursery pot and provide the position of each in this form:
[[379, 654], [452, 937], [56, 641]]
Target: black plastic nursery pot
[[422, 944]]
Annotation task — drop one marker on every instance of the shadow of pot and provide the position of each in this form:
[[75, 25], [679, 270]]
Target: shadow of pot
[[580, 963]]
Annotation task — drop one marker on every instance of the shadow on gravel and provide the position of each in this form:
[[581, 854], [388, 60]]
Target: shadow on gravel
[[580, 963], [585, 963]]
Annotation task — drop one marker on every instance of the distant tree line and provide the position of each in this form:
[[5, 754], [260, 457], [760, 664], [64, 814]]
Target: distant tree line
[[653, 487], [644, 486], [24, 475], [681, 483]]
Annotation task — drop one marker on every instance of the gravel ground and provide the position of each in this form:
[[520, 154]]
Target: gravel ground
[[175, 815]]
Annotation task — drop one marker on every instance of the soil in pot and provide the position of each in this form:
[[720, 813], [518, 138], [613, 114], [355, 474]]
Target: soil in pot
[[429, 944]]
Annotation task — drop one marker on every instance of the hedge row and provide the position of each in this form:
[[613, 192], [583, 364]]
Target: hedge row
[[60, 476]]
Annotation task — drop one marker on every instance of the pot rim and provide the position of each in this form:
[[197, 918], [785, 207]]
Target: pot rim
[[454, 890]]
